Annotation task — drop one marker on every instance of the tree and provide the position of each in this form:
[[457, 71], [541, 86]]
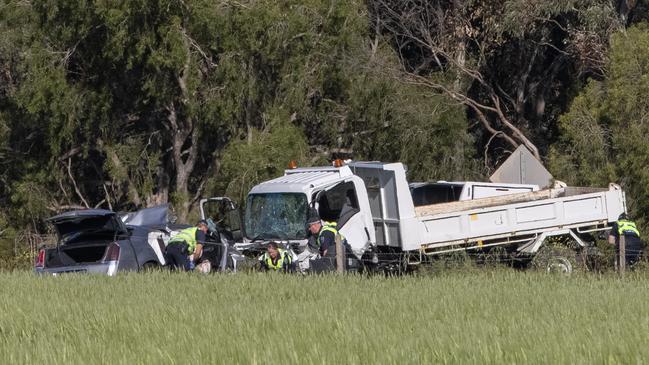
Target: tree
[[512, 64], [135, 101], [603, 133]]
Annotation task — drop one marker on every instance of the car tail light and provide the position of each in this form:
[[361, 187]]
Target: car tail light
[[112, 253], [40, 259]]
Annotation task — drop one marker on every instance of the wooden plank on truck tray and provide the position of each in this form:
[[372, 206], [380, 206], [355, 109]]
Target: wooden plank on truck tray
[[427, 210]]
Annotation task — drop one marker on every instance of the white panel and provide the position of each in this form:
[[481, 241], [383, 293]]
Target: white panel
[[354, 232], [389, 195], [393, 234], [448, 227], [584, 208], [378, 233], [535, 213], [152, 239], [487, 222]]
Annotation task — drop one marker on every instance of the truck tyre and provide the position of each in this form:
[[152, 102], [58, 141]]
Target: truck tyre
[[559, 264], [555, 260]]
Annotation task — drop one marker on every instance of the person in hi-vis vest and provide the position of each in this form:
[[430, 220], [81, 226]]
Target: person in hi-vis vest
[[276, 259], [633, 246], [186, 247]]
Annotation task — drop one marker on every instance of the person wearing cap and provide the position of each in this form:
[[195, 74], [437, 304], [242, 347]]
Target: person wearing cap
[[276, 259], [186, 247], [326, 237], [312, 251], [633, 246], [322, 242]]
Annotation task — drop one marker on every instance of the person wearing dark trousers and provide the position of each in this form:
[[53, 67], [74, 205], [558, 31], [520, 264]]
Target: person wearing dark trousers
[[633, 244], [186, 247]]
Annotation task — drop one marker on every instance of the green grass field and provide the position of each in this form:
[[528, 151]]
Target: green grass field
[[477, 317]]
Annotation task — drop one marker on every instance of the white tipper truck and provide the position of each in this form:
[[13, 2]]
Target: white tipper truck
[[390, 224]]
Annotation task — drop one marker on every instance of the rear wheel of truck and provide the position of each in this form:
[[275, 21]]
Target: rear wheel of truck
[[552, 261], [560, 257]]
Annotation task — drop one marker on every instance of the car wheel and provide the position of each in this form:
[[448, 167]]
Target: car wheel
[[150, 266]]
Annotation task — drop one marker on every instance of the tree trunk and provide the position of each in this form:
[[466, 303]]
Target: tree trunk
[[161, 196], [460, 58], [132, 192], [184, 167]]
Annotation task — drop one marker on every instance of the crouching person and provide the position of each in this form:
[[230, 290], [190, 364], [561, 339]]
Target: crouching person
[[321, 248], [276, 259], [186, 247], [633, 244], [312, 250]]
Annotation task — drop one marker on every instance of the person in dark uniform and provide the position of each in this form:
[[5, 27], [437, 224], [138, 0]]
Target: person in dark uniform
[[186, 247], [322, 241], [633, 244], [325, 233], [311, 252], [276, 259]]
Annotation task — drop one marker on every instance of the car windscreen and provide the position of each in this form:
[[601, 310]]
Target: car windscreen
[[276, 216], [73, 229]]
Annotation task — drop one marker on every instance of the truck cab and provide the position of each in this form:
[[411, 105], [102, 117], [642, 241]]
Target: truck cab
[[277, 209]]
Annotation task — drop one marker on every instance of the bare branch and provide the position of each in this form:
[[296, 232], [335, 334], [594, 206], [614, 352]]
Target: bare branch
[[199, 191], [110, 206], [71, 153], [197, 47], [74, 183], [100, 203], [443, 35], [486, 149], [117, 163], [65, 193], [517, 132]]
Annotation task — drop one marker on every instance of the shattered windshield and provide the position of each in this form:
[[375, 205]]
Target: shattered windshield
[[276, 216]]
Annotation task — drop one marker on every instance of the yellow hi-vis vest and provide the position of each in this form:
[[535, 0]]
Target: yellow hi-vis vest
[[187, 235], [627, 227], [331, 227], [284, 257]]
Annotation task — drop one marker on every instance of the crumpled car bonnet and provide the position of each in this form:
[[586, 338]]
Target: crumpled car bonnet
[[154, 216]]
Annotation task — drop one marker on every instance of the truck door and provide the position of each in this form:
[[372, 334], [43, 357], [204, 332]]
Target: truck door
[[224, 221], [224, 217], [340, 203]]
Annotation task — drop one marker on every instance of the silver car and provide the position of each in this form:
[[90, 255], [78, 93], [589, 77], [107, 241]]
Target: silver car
[[103, 242], [99, 241]]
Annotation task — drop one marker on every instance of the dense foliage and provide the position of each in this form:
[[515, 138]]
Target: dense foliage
[[603, 135], [126, 104]]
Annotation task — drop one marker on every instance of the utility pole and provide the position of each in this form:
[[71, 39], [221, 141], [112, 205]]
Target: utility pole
[[340, 255]]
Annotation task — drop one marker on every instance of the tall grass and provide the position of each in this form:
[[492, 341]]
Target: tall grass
[[481, 317]]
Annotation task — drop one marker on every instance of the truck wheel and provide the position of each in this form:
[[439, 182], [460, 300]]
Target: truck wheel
[[560, 260], [559, 265]]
